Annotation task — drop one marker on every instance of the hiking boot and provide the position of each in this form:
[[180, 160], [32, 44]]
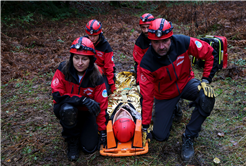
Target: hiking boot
[[73, 148], [187, 151], [178, 114]]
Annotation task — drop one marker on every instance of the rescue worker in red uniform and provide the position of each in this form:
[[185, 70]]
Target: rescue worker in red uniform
[[142, 43], [80, 99], [104, 53], [140, 48], [167, 76]]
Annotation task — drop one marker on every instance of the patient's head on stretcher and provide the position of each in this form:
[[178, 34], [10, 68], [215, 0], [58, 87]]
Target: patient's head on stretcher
[[123, 125]]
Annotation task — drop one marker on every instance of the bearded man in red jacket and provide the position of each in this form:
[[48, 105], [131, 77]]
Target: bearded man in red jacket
[[140, 48], [167, 76]]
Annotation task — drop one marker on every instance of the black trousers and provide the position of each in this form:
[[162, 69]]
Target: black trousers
[[86, 129], [164, 113]]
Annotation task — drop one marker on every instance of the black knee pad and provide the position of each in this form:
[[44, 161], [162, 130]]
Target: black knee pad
[[68, 115], [206, 104]]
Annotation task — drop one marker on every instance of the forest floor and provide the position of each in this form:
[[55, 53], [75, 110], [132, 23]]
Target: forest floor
[[30, 132]]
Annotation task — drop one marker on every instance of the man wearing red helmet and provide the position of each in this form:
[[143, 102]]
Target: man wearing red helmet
[[80, 99], [142, 43], [104, 53], [167, 76], [140, 48]]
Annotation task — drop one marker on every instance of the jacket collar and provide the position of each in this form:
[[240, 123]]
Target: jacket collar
[[101, 40], [145, 37]]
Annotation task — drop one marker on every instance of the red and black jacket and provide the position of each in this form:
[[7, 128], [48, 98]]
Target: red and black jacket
[[105, 59], [164, 77], [140, 48], [70, 90]]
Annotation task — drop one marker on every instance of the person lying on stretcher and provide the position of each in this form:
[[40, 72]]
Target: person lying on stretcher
[[124, 120], [124, 133], [123, 125]]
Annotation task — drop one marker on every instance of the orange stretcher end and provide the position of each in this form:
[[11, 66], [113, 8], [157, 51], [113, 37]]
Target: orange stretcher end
[[131, 148], [110, 135], [137, 139]]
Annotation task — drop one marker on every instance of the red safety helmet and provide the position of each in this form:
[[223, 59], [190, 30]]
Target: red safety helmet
[[160, 29], [82, 46], [93, 27], [124, 129], [146, 19]]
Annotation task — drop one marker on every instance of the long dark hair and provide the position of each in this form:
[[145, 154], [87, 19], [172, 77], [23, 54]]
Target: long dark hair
[[94, 73]]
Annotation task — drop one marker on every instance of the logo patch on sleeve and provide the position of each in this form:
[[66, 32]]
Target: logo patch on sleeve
[[112, 58], [198, 44], [143, 78], [55, 82], [104, 93]]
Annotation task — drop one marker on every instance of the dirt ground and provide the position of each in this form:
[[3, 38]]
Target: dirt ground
[[29, 57]]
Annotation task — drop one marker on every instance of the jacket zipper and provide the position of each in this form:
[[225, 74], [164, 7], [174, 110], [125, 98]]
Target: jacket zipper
[[81, 83], [174, 73], [72, 89], [169, 74]]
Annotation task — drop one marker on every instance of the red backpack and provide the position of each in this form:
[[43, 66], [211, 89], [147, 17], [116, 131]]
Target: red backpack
[[224, 54]]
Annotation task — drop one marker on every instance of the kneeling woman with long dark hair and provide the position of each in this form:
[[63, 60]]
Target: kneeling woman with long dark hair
[[80, 99]]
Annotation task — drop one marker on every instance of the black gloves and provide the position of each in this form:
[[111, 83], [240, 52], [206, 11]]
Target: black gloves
[[92, 105], [102, 139]]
